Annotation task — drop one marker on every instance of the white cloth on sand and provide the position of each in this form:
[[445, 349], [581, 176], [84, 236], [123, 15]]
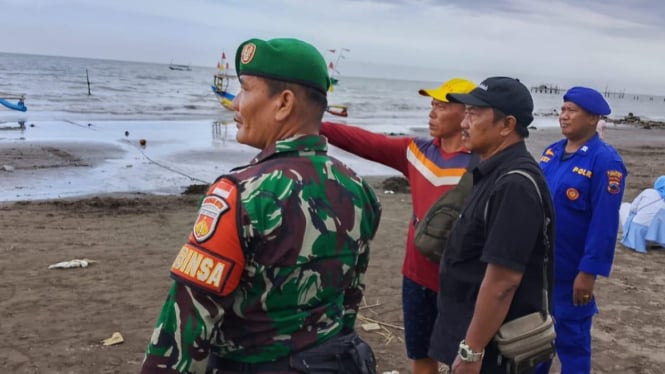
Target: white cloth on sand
[[638, 217]]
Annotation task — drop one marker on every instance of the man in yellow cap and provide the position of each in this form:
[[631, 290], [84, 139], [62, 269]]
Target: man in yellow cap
[[271, 277], [433, 166]]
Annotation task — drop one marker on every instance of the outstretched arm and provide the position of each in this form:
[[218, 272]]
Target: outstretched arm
[[386, 150]]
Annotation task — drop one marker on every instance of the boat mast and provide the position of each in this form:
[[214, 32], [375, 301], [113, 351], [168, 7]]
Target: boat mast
[[340, 57], [332, 66]]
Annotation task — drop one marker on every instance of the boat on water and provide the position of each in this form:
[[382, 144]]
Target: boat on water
[[179, 67], [220, 87], [18, 105], [338, 110], [220, 84], [332, 67]]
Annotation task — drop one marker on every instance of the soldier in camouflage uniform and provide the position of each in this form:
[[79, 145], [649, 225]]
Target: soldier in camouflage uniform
[[271, 276]]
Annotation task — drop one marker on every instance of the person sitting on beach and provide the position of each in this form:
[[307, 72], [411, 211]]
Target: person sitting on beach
[[602, 124], [271, 277], [643, 220], [587, 178], [433, 166]]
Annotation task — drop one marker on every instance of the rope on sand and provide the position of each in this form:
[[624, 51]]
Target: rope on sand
[[172, 169], [89, 126], [79, 125]]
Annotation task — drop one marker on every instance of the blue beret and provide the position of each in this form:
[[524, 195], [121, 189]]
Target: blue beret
[[588, 99]]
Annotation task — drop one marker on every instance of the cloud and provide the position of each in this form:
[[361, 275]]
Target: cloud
[[608, 42]]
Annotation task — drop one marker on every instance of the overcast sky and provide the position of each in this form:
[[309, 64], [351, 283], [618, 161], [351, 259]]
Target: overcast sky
[[618, 44]]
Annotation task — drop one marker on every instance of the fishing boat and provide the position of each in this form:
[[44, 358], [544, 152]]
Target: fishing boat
[[332, 67], [179, 67], [19, 105], [338, 110], [221, 83]]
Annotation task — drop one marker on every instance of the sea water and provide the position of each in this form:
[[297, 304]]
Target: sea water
[[190, 137], [56, 88]]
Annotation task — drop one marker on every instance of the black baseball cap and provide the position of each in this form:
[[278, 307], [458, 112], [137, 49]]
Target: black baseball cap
[[506, 94]]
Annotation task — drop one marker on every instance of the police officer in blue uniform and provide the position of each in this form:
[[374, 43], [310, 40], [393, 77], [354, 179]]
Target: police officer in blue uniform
[[586, 177]]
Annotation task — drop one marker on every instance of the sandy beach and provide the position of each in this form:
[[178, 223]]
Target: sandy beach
[[54, 320]]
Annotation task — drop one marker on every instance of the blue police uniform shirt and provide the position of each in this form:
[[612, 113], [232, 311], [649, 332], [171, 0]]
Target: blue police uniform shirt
[[587, 187]]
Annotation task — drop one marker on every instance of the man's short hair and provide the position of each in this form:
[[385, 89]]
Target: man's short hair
[[312, 96]]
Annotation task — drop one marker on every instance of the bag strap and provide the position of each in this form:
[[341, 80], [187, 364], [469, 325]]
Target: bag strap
[[474, 160], [546, 223]]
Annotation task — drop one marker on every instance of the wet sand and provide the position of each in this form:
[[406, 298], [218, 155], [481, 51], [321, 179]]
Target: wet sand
[[53, 320]]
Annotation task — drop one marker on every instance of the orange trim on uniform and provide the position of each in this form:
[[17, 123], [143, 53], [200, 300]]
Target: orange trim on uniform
[[433, 168], [213, 259]]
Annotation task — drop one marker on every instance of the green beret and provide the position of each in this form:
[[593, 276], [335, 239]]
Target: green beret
[[289, 60]]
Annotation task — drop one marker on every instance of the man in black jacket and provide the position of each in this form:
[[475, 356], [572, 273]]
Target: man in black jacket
[[492, 269]]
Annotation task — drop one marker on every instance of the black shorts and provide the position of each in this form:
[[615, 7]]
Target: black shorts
[[419, 308]]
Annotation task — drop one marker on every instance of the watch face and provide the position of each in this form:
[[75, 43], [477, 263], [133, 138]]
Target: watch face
[[467, 355]]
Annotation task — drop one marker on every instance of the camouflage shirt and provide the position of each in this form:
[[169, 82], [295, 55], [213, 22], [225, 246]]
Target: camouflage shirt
[[302, 222]]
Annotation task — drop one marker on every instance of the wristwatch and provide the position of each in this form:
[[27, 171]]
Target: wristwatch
[[467, 355]]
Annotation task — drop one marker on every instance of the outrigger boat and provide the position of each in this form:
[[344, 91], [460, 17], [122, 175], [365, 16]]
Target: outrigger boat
[[221, 84], [338, 110], [220, 87], [19, 105]]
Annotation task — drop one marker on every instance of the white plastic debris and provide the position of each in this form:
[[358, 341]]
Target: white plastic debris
[[116, 338], [7, 168], [370, 326], [388, 192], [391, 372], [75, 263]]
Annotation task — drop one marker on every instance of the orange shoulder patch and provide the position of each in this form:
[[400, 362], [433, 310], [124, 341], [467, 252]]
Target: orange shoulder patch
[[206, 270], [214, 259]]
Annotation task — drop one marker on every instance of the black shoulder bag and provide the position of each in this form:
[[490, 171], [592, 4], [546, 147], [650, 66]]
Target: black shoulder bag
[[529, 340]]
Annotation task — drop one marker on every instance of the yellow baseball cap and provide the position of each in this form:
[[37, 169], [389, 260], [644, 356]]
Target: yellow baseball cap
[[455, 85]]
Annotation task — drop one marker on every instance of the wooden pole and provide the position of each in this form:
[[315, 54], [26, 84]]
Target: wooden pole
[[87, 78]]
